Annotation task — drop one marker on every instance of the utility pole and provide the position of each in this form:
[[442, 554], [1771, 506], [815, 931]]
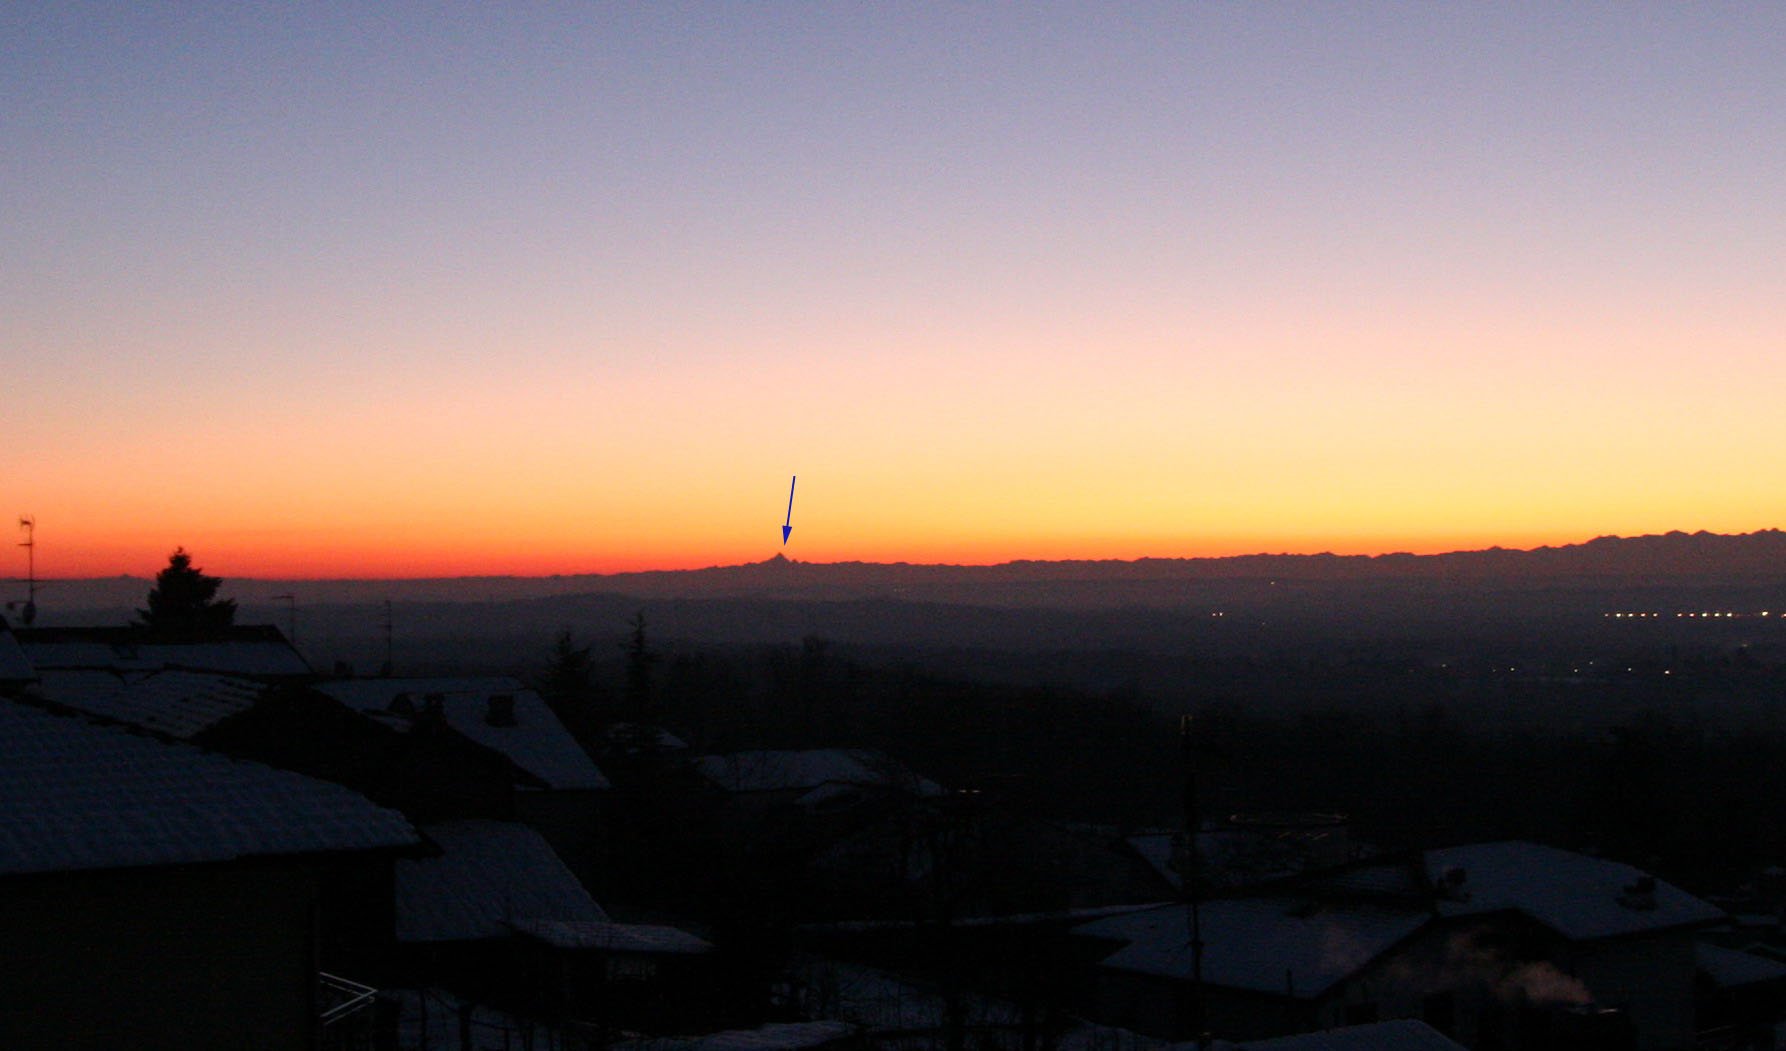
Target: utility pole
[[389, 631], [1191, 876]]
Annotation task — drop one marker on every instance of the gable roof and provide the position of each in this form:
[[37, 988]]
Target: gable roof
[[489, 875], [77, 796], [258, 651], [775, 771], [1580, 897], [173, 702], [536, 741], [1302, 941]]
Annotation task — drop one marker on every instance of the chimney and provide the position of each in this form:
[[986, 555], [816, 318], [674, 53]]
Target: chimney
[[1639, 894], [1453, 884], [501, 710]]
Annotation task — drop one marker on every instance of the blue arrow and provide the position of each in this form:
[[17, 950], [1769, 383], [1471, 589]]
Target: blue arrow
[[789, 527]]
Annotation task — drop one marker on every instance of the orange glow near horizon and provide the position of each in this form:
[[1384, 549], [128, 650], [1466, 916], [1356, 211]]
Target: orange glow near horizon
[[996, 282], [261, 559]]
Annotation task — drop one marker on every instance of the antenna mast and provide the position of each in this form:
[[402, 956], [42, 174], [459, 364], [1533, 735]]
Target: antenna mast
[[389, 631], [1191, 879], [29, 524]]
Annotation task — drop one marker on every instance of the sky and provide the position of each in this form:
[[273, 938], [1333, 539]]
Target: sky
[[340, 290]]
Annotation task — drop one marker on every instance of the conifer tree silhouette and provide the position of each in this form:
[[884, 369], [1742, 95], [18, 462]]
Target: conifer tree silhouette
[[183, 603]]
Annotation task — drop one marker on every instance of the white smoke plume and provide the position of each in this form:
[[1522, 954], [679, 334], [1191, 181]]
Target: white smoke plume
[[1542, 985]]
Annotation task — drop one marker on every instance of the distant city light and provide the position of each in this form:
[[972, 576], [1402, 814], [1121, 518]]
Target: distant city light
[[1699, 615]]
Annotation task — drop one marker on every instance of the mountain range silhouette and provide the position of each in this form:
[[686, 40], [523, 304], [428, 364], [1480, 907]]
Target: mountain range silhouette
[[1675, 558]]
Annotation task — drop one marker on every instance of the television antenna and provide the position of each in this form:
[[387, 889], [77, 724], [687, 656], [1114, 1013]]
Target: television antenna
[[28, 609]]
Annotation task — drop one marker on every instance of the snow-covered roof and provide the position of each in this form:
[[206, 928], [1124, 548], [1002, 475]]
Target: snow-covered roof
[[633, 738], [177, 703], [781, 1036], [1728, 968], [613, 937], [255, 651], [489, 876], [1401, 1035], [1579, 897], [1227, 857], [1157, 849], [1302, 943], [532, 737], [1286, 946], [74, 796], [14, 666], [833, 795], [773, 771]]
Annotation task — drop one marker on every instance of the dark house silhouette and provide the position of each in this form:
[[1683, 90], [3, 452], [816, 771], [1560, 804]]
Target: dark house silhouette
[[154, 895]]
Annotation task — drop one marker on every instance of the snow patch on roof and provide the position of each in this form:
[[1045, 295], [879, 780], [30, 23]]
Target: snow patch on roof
[[491, 876]]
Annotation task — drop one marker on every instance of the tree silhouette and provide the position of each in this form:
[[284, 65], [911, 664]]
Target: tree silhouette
[[568, 686], [639, 660], [183, 603]]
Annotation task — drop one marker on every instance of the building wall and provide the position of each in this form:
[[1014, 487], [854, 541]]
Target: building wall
[[187, 958]]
